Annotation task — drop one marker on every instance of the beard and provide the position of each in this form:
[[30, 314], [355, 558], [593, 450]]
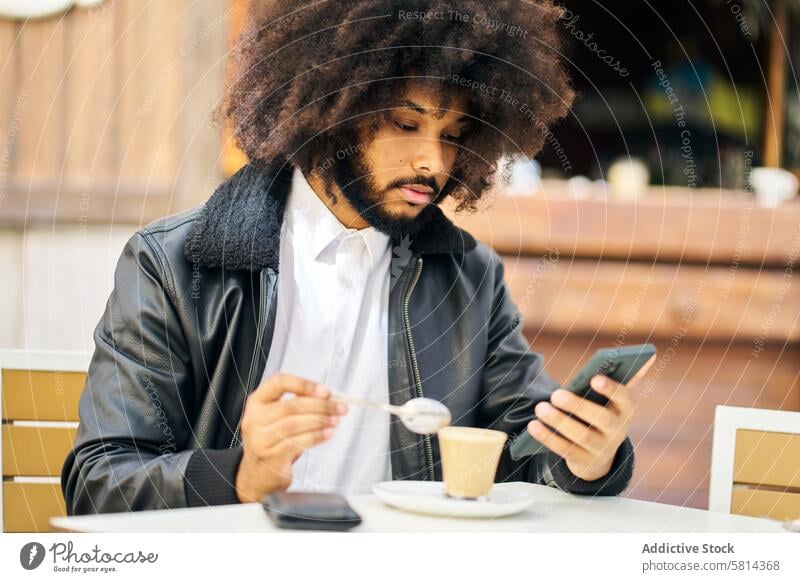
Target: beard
[[356, 181]]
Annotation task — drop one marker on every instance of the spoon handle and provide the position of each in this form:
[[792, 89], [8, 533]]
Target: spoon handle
[[350, 399]]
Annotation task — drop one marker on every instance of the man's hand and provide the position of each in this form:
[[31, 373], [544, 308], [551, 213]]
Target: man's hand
[[276, 431], [588, 447]]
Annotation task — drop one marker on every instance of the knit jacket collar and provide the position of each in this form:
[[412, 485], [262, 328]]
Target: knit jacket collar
[[239, 226]]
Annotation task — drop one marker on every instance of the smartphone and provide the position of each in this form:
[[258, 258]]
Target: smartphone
[[321, 511], [619, 364]]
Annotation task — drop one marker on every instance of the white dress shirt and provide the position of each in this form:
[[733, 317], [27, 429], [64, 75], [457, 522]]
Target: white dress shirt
[[331, 327]]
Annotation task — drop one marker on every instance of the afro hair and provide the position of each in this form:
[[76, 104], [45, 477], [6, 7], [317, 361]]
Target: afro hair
[[307, 71]]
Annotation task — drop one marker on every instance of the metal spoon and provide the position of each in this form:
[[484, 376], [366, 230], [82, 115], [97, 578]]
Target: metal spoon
[[419, 415]]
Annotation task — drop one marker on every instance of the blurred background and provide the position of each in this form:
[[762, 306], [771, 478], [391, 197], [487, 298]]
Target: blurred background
[[663, 209]]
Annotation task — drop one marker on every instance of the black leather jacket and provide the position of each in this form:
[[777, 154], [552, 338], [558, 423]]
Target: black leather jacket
[[188, 327]]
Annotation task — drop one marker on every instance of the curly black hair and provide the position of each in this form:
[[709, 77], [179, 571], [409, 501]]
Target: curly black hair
[[307, 71]]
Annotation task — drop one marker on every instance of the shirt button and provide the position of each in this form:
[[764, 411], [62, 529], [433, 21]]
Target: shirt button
[[339, 352]]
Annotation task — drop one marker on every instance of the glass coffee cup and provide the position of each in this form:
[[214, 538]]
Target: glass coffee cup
[[470, 457]]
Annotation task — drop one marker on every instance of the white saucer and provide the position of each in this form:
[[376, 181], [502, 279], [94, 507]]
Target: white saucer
[[428, 497]]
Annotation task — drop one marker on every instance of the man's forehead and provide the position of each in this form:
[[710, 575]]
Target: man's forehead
[[437, 101]]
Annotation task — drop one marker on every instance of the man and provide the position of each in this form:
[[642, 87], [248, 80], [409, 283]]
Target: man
[[327, 264]]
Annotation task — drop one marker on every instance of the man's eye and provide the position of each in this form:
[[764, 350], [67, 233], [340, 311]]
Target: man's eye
[[456, 138], [404, 127]]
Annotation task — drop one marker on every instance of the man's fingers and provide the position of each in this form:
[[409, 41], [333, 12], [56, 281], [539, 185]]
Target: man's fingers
[[600, 417], [294, 446], [308, 405], [275, 386], [290, 426], [618, 394], [572, 429], [558, 444], [273, 411]]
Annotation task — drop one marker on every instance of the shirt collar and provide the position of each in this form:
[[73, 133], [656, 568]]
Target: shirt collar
[[307, 216]]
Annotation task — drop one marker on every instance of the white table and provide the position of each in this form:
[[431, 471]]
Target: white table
[[552, 511]]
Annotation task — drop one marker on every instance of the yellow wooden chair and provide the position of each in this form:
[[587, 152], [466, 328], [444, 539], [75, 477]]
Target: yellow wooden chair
[[40, 392], [755, 463]]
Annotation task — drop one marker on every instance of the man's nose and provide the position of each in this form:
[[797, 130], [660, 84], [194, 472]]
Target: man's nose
[[428, 157]]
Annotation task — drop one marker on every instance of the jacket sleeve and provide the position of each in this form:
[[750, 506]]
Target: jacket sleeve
[[135, 411], [514, 382]]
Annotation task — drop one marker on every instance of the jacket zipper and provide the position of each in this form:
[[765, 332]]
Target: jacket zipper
[[414, 365], [256, 352]]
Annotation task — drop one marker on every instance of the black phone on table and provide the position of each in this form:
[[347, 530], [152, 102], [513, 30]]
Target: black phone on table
[[619, 364], [300, 510]]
